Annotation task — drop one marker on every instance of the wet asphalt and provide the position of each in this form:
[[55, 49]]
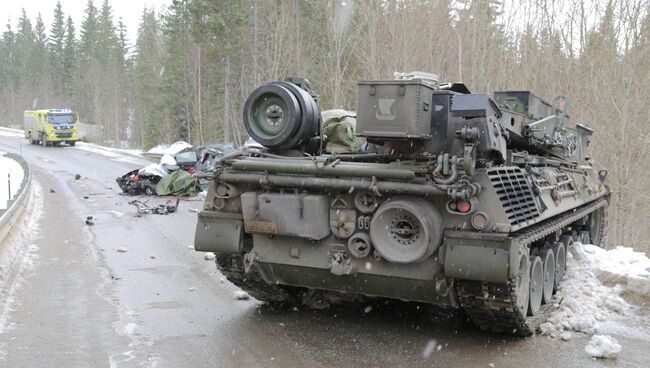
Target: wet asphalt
[[129, 292]]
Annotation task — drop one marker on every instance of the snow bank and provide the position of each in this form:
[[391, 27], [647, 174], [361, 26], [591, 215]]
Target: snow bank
[[11, 167], [600, 287], [158, 150], [107, 151], [9, 132], [177, 147], [603, 346], [621, 266]]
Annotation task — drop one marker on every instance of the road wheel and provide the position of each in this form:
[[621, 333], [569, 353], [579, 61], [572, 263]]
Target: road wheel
[[536, 285], [597, 227], [72, 143], [559, 251], [548, 260], [523, 284]]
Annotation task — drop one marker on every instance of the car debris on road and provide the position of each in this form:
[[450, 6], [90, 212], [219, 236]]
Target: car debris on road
[[162, 209]]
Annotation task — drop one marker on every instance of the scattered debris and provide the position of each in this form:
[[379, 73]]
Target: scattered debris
[[121, 250], [603, 347], [152, 257], [241, 295], [209, 257], [190, 247], [90, 221], [77, 176], [192, 288], [85, 197], [195, 210], [491, 365], [52, 190], [222, 280], [161, 209]]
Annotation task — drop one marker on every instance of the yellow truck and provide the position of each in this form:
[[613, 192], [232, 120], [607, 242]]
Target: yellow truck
[[51, 127]]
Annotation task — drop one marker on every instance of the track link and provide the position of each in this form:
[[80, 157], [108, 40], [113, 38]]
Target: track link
[[492, 306], [232, 267]]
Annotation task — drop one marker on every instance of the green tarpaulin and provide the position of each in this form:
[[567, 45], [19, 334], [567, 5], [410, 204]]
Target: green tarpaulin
[[179, 182], [339, 126]]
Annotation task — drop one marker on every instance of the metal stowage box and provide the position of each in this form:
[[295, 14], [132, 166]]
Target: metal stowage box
[[395, 108]]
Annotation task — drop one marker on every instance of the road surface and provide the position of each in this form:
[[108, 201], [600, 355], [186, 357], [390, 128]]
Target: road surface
[[71, 299]]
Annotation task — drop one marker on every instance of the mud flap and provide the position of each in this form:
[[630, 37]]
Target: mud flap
[[219, 234]]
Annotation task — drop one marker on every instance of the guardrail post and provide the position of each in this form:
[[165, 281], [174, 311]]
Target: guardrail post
[[9, 186]]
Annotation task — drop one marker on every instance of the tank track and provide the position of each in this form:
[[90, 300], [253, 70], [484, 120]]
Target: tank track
[[232, 267], [492, 306]]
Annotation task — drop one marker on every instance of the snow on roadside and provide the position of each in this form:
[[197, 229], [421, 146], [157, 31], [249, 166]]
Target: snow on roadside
[[107, 151], [601, 288], [11, 167], [9, 132], [603, 347]]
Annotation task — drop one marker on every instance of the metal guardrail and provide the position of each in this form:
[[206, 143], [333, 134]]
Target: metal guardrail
[[16, 205]]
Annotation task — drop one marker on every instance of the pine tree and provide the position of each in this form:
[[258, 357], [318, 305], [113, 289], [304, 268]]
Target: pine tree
[[8, 75], [69, 60], [56, 46], [180, 90], [149, 124], [88, 32]]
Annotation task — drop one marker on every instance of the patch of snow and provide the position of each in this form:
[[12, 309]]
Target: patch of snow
[[121, 250], [107, 151], [599, 290], [154, 169], [9, 168], [603, 347], [158, 150], [209, 257], [9, 132], [168, 160], [241, 295], [176, 148]]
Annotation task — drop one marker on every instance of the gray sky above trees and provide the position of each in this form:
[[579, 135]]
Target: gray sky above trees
[[129, 10]]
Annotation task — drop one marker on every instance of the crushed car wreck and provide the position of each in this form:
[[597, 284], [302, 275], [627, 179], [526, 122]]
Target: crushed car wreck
[[173, 174]]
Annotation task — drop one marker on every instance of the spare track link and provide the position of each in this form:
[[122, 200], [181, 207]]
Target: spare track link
[[492, 306], [232, 267]]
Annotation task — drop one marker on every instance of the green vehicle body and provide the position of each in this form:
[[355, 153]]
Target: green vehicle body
[[461, 200]]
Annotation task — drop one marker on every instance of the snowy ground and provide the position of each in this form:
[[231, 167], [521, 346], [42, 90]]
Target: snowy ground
[[603, 293], [9, 168]]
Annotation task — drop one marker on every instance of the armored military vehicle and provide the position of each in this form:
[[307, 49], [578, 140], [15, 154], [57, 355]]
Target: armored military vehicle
[[459, 199]]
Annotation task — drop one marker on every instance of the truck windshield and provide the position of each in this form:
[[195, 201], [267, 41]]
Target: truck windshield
[[61, 118]]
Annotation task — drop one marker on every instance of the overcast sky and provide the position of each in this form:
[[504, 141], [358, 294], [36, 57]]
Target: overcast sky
[[129, 10]]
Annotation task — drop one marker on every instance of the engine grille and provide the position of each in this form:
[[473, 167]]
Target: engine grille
[[514, 193]]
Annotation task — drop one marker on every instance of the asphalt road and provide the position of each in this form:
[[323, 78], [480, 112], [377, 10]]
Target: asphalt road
[[71, 299]]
